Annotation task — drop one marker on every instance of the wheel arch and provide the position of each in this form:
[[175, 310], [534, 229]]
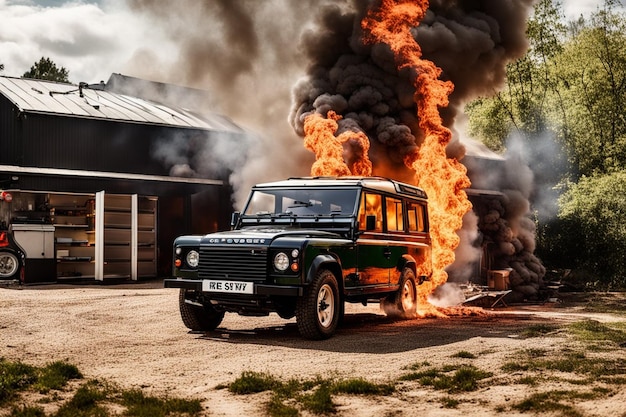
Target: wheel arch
[[326, 261], [408, 261]]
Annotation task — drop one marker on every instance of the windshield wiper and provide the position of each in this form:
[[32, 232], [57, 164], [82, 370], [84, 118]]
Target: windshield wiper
[[300, 204]]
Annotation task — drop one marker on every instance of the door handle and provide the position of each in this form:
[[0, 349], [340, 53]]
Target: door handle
[[387, 253]]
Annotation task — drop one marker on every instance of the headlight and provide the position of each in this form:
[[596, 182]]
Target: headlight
[[281, 261], [192, 258]]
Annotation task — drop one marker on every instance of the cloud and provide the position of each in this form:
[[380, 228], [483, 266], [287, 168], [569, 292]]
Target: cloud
[[91, 40]]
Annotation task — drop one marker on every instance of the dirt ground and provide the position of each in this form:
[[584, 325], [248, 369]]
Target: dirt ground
[[132, 335]]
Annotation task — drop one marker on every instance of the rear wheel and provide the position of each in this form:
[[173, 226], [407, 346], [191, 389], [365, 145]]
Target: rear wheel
[[404, 301], [196, 315], [319, 309]]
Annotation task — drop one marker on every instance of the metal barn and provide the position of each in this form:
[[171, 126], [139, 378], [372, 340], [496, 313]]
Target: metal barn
[[87, 189]]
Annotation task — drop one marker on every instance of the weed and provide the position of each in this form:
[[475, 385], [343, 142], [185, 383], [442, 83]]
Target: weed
[[55, 375], [594, 331], [464, 354], [13, 377], [28, 411], [528, 380], [539, 330], [252, 382], [360, 386], [465, 378], [277, 408], [320, 401], [140, 405], [547, 402], [84, 403], [417, 365], [449, 402]]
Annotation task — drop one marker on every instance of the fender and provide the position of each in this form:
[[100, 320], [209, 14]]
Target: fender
[[325, 260], [408, 261]]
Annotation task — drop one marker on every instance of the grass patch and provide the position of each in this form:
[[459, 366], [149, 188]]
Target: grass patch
[[449, 402], [55, 375], [14, 376], [450, 378], [320, 401], [576, 363], [464, 355], [538, 330], [593, 331], [558, 402], [140, 405], [253, 382], [91, 399], [359, 386], [314, 395]]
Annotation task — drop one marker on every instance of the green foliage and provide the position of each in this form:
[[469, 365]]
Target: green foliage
[[360, 386], [595, 209], [89, 400], [320, 401], [572, 84], [84, 403], [252, 382], [451, 378], [538, 330], [314, 395], [55, 375], [14, 376], [594, 331], [464, 354], [140, 405], [45, 69]]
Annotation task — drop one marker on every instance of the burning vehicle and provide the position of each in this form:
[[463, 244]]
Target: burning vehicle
[[302, 248]]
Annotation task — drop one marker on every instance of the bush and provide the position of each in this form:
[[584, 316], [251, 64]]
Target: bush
[[593, 216]]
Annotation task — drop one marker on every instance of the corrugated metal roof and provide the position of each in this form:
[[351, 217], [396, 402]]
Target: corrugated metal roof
[[37, 96]]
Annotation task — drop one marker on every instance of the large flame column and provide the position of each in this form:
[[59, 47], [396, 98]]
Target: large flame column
[[444, 179]]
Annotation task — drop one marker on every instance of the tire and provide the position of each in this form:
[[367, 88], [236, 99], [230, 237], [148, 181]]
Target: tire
[[319, 309], [198, 318], [404, 301], [9, 265]]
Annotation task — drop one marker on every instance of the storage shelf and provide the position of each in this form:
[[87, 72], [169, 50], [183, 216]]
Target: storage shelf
[[71, 226]]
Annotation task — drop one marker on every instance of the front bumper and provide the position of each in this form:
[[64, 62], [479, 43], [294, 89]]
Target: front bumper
[[259, 289]]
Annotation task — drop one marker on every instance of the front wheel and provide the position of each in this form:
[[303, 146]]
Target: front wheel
[[319, 309], [196, 315]]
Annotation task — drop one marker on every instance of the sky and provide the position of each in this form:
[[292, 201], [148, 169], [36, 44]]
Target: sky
[[248, 58], [93, 39]]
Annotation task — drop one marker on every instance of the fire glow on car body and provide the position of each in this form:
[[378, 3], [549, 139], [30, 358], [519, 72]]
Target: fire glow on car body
[[303, 247]]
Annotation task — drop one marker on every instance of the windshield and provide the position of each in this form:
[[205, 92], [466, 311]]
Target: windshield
[[302, 202]]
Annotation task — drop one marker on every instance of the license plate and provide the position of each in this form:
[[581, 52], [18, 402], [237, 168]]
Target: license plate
[[232, 287]]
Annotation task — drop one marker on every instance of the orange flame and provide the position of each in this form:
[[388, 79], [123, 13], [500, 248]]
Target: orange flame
[[328, 149], [443, 179]]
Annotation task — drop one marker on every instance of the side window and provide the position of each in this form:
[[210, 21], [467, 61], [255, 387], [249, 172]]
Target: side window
[[371, 205], [395, 219], [416, 217]]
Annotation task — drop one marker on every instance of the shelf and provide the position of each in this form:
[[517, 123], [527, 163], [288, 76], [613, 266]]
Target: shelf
[[71, 226], [75, 259]]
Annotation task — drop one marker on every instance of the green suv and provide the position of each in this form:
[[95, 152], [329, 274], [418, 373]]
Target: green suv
[[305, 246]]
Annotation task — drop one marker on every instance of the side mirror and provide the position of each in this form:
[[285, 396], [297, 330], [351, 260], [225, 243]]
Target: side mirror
[[370, 223], [234, 219]]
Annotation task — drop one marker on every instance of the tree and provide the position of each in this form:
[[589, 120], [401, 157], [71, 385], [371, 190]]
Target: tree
[[594, 236], [531, 84], [593, 70], [45, 69]]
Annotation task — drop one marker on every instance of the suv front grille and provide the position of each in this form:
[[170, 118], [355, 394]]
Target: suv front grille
[[233, 263]]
